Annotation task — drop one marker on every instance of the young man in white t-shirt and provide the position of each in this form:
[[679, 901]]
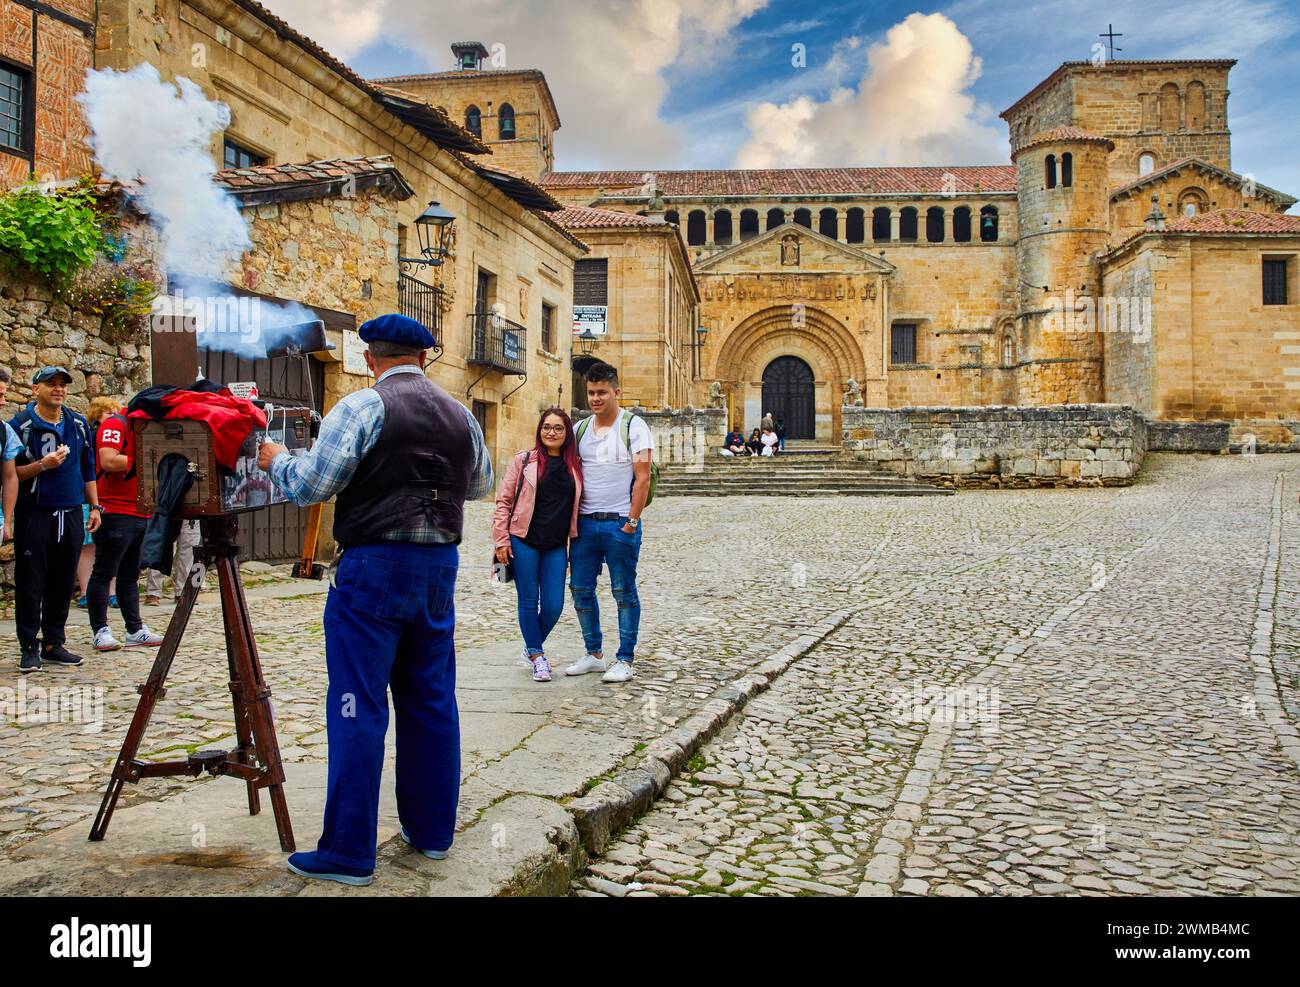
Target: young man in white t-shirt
[[615, 484]]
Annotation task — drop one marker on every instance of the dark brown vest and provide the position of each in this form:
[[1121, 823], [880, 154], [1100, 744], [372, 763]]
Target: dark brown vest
[[419, 468]]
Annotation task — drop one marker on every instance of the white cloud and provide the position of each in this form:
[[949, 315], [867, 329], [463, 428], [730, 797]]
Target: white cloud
[[603, 60], [911, 106]]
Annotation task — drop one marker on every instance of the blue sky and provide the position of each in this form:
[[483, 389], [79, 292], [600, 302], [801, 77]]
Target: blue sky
[[714, 62]]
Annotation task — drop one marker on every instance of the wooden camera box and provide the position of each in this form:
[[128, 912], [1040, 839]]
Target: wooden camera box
[[217, 490]]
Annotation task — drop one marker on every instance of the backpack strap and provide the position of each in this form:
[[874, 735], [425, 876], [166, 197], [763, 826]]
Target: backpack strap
[[582, 428]]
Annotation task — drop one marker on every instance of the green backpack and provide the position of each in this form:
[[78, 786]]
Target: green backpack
[[625, 421]]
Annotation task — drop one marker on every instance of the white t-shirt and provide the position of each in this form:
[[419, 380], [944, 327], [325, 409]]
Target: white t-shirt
[[607, 466]]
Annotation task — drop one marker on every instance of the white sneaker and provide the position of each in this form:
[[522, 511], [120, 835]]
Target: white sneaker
[[585, 664], [104, 640], [621, 671], [143, 638], [526, 658]]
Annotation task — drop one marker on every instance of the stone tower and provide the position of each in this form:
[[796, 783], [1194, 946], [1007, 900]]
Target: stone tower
[[511, 110], [1061, 188]]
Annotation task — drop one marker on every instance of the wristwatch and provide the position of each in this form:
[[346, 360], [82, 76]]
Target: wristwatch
[[97, 507], [634, 521]]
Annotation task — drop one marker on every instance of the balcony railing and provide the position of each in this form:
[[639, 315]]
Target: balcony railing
[[497, 343], [422, 302]]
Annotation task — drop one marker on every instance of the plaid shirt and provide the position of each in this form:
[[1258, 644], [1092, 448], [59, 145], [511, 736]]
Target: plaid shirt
[[347, 434]]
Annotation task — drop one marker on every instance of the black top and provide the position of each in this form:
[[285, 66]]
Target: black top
[[553, 506]]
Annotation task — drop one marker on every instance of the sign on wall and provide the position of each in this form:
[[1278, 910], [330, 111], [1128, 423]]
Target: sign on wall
[[354, 359], [590, 320]]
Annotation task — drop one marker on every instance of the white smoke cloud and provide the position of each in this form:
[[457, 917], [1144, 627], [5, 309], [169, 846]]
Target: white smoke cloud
[[143, 129], [160, 135], [911, 106], [603, 60]]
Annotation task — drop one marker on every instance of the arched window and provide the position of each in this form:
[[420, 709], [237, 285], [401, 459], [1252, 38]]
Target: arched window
[[1067, 169], [1191, 202], [828, 223], [722, 226], [803, 217], [907, 224], [934, 224], [506, 122], [1146, 164], [1049, 167], [961, 224], [1170, 109], [1195, 107], [1008, 351], [474, 121], [695, 228], [748, 224], [671, 217], [775, 217], [855, 226], [880, 224], [989, 224]]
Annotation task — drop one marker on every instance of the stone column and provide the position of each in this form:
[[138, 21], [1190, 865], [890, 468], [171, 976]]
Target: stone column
[[895, 215], [708, 228], [842, 225]]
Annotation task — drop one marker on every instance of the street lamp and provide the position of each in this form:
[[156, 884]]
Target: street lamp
[[433, 229], [698, 344]]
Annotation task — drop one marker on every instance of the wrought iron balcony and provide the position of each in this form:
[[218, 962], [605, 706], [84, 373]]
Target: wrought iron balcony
[[496, 343], [422, 302]]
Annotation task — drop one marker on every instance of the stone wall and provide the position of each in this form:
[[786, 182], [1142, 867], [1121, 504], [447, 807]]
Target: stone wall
[[1056, 446], [683, 438]]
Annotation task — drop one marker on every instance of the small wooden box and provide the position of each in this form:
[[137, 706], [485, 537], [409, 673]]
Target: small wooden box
[[216, 490]]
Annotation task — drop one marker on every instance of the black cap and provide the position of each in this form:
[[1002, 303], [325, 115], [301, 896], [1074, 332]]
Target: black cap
[[49, 373]]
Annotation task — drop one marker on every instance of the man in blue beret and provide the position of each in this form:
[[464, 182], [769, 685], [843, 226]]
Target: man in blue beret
[[402, 457]]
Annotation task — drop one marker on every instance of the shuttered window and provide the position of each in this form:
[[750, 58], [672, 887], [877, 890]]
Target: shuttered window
[[902, 343], [1275, 271], [591, 282]]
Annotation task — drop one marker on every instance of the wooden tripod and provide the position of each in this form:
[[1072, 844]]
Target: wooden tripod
[[256, 758]]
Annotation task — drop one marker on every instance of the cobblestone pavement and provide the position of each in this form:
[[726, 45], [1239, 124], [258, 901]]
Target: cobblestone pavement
[[1088, 692]]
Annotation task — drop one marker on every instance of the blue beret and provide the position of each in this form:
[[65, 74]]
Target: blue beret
[[396, 329]]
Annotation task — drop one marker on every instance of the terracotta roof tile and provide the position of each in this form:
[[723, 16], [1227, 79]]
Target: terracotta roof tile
[[582, 218], [1058, 135], [1221, 222], [795, 181], [1203, 166]]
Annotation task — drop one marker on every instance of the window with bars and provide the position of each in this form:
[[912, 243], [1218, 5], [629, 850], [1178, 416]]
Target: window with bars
[[591, 281], [548, 327], [15, 97], [235, 155], [1276, 270], [902, 343]]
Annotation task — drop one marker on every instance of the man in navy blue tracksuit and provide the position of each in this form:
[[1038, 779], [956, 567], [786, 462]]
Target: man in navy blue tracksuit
[[403, 457], [56, 475]]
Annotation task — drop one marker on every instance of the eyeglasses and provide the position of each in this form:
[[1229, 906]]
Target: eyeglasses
[[558, 429]]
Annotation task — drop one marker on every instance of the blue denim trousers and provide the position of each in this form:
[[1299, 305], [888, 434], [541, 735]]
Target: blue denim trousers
[[389, 624], [604, 542], [539, 587]]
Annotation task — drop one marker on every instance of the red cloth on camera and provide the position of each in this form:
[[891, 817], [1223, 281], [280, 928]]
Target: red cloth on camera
[[231, 419]]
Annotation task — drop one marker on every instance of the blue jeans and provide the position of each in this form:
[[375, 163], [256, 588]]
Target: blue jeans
[[605, 542], [389, 622], [539, 586]]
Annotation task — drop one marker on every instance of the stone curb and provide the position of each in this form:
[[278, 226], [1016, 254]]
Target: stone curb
[[591, 820]]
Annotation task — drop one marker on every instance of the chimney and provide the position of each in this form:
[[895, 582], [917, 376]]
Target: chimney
[[1155, 219]]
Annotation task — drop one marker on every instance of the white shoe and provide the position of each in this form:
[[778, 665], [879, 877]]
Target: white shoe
[[143, 638], [525, 658], [104, 640], [585, 664], [621, 671]]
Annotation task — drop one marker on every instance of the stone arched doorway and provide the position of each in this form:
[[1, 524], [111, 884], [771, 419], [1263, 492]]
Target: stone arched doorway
[[789, 393]]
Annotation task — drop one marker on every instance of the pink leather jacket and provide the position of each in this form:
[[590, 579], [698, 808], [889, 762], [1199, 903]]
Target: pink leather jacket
[[523, 510]]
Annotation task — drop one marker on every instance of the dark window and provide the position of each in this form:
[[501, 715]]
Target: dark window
[[961, 224], [671, 217], [880, 223], [474, 121], [1067, 170], [237, 156], [1275, 272], [775, 217], [15, 99], [803, 217], [481, 416], [1051, 170], [828, 223], [907, 224], [696, 228], [722, 226], [548, 327], [934, 224], [748, 224], [506, 122], [989, 224], [854, 226], [591, 282], [902, 343]]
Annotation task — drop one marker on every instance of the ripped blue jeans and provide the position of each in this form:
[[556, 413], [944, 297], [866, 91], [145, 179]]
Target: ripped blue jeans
[[604, 542]]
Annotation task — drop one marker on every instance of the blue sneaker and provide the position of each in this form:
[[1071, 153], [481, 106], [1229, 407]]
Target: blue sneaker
[[431, 854], [309, 865], [81, 602], [112, 601]]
